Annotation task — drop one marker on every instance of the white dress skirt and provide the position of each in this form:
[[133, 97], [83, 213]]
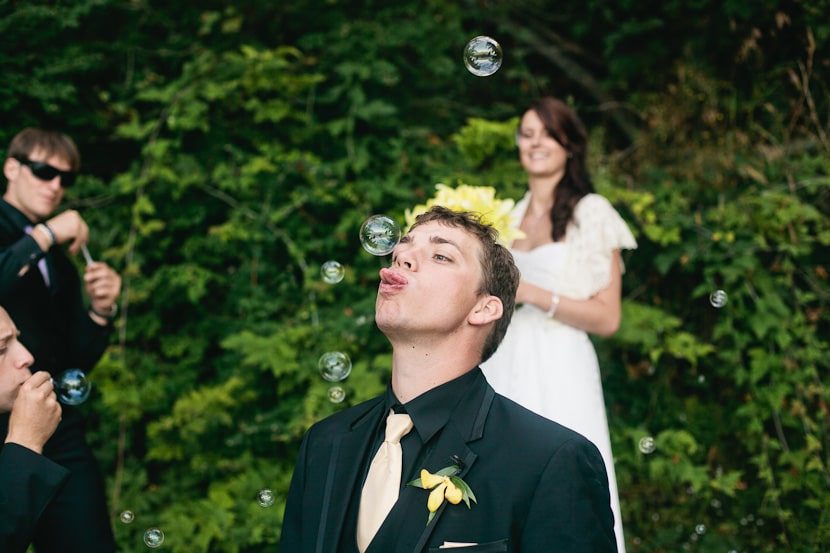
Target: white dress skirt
[[552, 368]]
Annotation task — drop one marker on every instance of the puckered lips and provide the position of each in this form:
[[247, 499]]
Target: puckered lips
[[390, 280]]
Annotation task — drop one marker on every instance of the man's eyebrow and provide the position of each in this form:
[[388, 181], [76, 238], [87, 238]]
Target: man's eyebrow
[[442, 240]]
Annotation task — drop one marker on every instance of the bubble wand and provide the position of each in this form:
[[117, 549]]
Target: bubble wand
[[89, 260]]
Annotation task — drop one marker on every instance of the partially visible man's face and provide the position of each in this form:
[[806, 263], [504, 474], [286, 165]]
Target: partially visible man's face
[[15, 361], [432, 283], [37, 199]]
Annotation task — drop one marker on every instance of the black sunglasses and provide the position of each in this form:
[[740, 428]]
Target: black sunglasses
[[44, 171]]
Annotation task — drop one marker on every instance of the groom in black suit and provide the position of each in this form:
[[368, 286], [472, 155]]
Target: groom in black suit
[[479, 472]]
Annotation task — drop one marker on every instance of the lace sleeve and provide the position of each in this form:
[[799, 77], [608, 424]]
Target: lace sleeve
[[597, 230]]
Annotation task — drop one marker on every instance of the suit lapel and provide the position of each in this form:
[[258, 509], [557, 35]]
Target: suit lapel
[[405, 528], [344, 466]]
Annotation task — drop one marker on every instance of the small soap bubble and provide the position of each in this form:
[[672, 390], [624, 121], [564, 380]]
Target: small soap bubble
[[379, 234], [334, 366], [647, 445], [718, 298], [265, 497], [332, 272], [700, 529], [153, 538], [482, 56], [127, 516], [72, 387], [336, 394], [701, 379]]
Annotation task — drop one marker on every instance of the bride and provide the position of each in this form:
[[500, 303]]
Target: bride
[[571, 284]]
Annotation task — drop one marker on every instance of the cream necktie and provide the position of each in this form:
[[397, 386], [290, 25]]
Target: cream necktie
[[380, 491]]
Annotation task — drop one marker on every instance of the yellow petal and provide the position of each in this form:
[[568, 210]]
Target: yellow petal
[[428, 480], [453, 494], [436, 497]]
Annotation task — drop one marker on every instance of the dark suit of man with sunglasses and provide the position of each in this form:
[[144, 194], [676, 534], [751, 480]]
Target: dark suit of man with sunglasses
[[62, 327]]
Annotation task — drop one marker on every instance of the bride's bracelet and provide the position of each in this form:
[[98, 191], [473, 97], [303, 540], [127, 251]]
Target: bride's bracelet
[[554, 303]]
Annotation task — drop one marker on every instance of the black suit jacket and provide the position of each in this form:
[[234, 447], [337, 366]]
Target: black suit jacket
[[540, 486], [54, 323], [28, 482]]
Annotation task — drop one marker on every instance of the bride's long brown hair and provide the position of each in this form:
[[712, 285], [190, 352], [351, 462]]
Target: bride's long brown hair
[[564, 125]]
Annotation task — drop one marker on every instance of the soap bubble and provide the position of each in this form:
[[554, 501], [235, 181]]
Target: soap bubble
[[334, 366], [482, 56], [332, 272], [265, 497], [379, 234], [647, 445], [336, 394], [700, 529], [127, 516], [72, 387], [718, 298], [153, 538]]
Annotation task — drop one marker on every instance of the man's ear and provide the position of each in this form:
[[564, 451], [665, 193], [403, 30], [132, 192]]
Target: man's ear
[[10, 168], [488, 309]]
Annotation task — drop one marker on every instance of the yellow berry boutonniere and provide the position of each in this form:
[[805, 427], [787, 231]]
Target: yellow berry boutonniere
[[444, 485]]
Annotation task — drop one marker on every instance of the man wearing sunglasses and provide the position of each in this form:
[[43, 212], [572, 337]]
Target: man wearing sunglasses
[[62, 326]]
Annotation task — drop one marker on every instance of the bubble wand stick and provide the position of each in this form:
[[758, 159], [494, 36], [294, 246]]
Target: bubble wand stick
[[89, 260]]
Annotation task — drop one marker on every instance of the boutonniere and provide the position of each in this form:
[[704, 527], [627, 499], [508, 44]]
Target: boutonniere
[[444, 485]]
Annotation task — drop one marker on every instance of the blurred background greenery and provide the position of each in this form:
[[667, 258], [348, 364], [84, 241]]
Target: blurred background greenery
[[231, 148]]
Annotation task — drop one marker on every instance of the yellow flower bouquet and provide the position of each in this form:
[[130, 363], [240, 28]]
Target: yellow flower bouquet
[[477, 199]]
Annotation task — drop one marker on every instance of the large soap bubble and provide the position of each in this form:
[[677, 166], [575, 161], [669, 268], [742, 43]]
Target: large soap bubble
[[334, 366], [265, 497], [379, 234], [72, 387], [482, 56], [718, 298], [153, 538]]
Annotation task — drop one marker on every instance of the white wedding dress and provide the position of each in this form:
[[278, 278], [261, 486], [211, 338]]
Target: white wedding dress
[[549, 367]]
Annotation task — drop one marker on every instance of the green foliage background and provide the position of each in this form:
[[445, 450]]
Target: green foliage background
[[230, 148]]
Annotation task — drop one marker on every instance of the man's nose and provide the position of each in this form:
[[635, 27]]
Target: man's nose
[[55, 183], [23, 358], [405, 260]]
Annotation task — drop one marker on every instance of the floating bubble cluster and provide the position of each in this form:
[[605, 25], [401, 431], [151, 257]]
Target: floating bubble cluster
[[332, 272], [718, 298], [334, 366], [482, 56], [72, 387], [153, 538], [265, 497], [379, 234]]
